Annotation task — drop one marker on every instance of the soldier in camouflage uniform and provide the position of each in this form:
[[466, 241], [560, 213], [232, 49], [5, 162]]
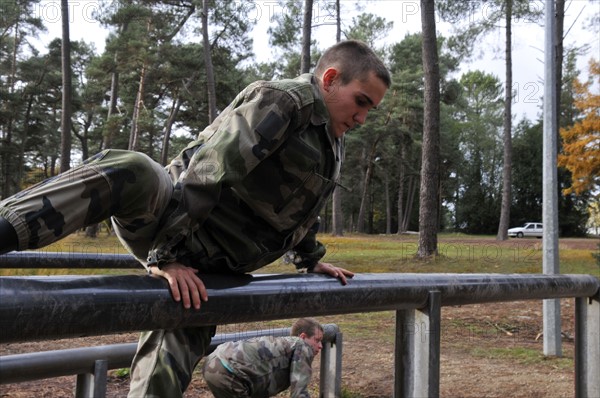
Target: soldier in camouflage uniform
[[248, 190], [265, 366]]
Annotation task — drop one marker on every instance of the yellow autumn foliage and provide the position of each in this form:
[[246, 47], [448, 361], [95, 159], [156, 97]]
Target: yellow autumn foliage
[[581, 142]]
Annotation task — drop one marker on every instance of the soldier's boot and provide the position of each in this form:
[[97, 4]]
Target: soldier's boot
[[8, 237]]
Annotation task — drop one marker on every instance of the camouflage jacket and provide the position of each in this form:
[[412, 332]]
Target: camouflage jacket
[[270, 364], [251, 186]]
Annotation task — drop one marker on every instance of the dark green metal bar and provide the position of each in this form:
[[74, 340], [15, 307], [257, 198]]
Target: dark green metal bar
[[35, 308]]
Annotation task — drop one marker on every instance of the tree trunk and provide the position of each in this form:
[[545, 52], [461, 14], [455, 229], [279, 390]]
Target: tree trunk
[[507, 166], [560, 22], [337, 218], [402, 183], [367, 183], [134, 139], [410, 200], [83, 137], [52, 166], [337, 215], [208, 65], [306, 31], [20, 150], [360, 222], [428, 218], [65, 124], [7, 144], [388, 205], [400, 198], [107, 140], [338, 21], [139, 103], [164, 155]]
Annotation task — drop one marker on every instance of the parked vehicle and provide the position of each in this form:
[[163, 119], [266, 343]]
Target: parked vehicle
[[534, 229]]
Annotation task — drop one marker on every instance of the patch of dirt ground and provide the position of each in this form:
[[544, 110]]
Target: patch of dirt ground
[[488, 350]]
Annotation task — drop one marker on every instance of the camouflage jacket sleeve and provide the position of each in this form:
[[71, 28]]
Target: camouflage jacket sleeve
[[253, 126], [308, 252], [301, 371]]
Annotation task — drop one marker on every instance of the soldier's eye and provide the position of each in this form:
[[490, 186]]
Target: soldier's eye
[[362, 102]]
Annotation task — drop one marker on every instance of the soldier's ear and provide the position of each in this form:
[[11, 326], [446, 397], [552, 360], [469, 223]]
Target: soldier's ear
[[303, 336], [329, 78]]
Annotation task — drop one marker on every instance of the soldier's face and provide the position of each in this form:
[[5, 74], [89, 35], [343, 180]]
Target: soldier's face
[[349, 104], [315, 341]]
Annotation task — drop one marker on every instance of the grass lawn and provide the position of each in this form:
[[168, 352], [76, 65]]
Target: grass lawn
[[458, 253], [477, 340]]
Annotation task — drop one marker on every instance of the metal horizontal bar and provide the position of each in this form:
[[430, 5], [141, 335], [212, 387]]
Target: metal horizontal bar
[[35, 308], [18, 368], [77, 260]]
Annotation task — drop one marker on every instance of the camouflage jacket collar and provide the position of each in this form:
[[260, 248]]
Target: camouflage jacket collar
[[320, 114]]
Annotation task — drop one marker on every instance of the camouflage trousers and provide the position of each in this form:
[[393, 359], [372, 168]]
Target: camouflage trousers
[[165, 360], [128, 186], [222, 382], [133, 190]]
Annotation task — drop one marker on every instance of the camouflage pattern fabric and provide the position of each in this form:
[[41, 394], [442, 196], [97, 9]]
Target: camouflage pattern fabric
[[255, 179], [222, 382], [129, 186], [244, 193], [165, 360], [260, 367], [248, 190]]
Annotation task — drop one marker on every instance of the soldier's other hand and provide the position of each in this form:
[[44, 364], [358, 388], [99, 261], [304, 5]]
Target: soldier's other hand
[[185, 285], [328, 269]]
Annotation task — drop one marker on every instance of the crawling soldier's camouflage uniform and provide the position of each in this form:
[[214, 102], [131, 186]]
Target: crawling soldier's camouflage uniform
[[246, 191], [260, 367]]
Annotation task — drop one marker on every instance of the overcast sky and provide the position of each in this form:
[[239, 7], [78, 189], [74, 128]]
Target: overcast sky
[[528, 37]]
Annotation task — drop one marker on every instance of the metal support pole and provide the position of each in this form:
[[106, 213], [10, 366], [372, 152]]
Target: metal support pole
[[331, 368], [417, 352], [587, 347], [93, 385], [551, 307]]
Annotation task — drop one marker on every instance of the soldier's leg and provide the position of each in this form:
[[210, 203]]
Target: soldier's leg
[[128, 185], [8, 235], [165, 360], [221, 382]]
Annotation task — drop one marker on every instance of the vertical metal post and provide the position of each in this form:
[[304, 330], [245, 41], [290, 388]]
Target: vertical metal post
[[93, 385], [417, 350], [331, 368], [587, 347], [551, 308]]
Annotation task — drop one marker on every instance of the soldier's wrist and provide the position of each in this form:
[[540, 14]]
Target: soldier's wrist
[[152, 268], [306, 267]]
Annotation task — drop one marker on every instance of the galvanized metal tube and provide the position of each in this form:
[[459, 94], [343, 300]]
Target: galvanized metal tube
[[587, 347], [93, 384], [47, 364], [35, 308], [18, 368], [93, 258]]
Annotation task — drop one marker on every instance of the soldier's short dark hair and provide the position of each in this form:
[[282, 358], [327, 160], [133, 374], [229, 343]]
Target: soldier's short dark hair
[[307, 326], [354, 60]]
